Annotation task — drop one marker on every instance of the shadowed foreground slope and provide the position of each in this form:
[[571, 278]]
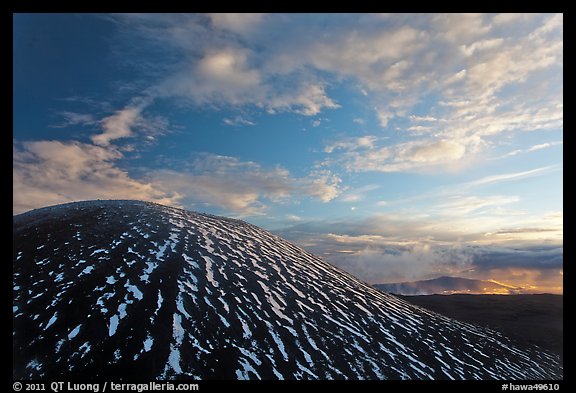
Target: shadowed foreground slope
[[530, 319]]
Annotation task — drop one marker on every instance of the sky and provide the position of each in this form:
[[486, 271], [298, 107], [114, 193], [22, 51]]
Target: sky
[[397, 147]]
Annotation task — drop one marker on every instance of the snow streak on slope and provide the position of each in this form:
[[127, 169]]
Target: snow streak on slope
[[133, 289]]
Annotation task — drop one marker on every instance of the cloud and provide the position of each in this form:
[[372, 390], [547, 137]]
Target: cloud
[[540, 257], [238, 121], [384, 116], [243, 188], [463, 205], [493, 68], [512, 176], [73, 119], [474, 236], [423, 118], [405, 247], [351, 144], [222, 76], [403, 157], [544, 145], [509, 18], [482, 45], [227, 69], [53, 172], [533, 148], [357, 194], [324, 185], [308, 100], [437, 151], [461, 27], [269, 62], [117, 126], [225, 77], [378, 259], [228, 183], [237, 23], [293, 218], [130, 122], [372, 56], [371, 154]]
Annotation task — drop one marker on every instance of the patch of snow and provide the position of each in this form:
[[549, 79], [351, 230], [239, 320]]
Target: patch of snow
[[162, 250], [113, 325], [178, 330], [135, 291], [35, 364], [190, 261], [59, 345], [209, 272], [174, 359], [148, 343], [180, 305], [87, 270], [159, 302], [247, 333], [52, 320], [99, 251], [122, 310], [74, 332], [277, 340], [224, 321]]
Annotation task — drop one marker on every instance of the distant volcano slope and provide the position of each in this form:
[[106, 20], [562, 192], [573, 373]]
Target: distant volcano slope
[[447, 286], [128, 289]]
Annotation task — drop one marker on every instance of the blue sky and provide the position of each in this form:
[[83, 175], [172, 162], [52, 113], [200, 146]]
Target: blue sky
[[398, 147]]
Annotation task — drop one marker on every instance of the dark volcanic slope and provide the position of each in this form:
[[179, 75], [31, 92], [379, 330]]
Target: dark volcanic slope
[[113, 289], [535, 319]]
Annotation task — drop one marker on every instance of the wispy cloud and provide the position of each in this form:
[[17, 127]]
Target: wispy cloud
[[73, 119], [238, 121], [351, 144], [130, 122], [505, 177], [237, 23], [357, 194], [362, 155], [464, 205], [544, 145], [117, 126]]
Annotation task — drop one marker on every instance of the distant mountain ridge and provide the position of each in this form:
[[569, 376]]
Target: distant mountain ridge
[[446, 286]]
